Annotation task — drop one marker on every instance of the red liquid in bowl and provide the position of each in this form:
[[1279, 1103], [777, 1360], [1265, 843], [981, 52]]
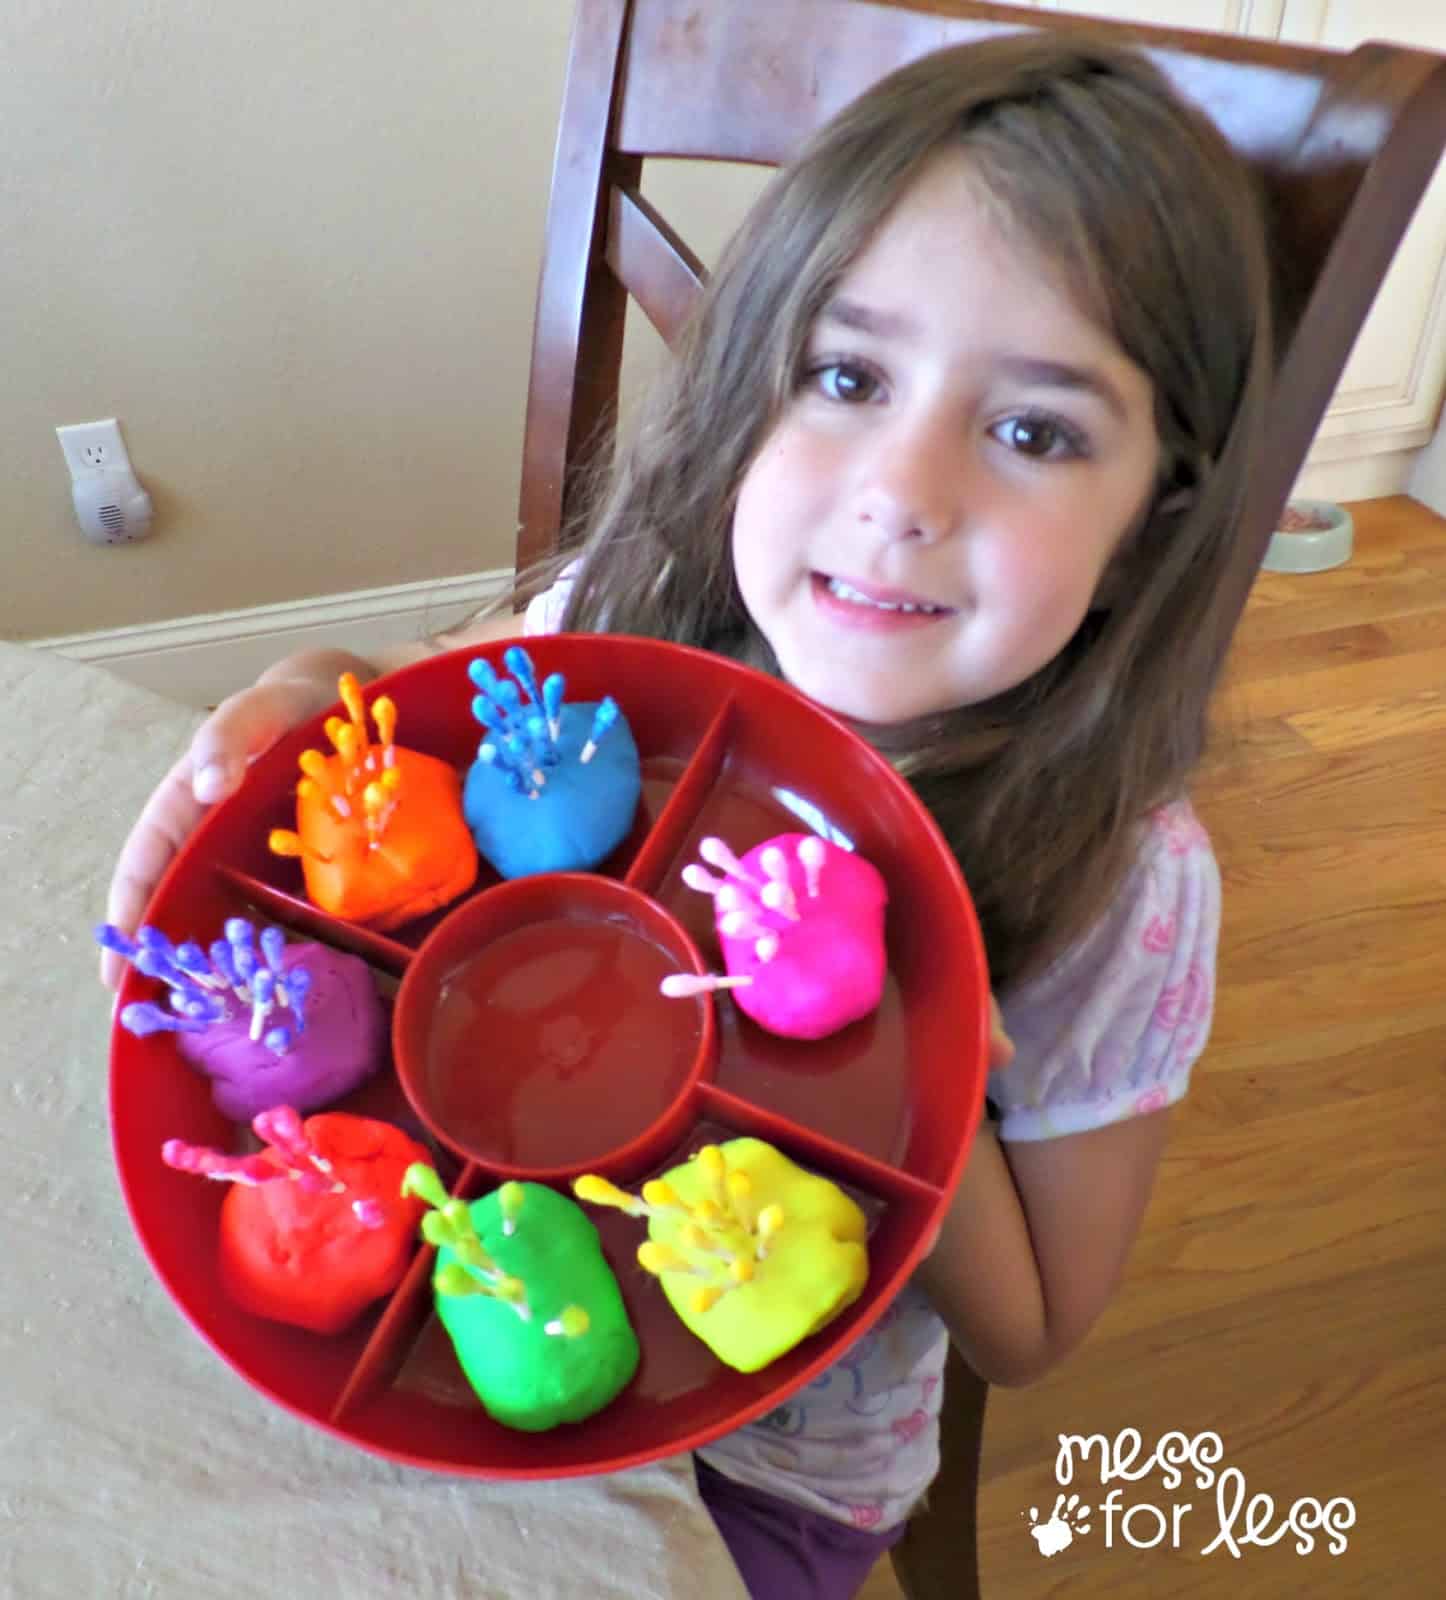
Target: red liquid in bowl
[[552, 1045]]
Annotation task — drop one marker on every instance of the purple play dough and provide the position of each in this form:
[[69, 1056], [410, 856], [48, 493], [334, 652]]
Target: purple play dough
[[343, 1043]]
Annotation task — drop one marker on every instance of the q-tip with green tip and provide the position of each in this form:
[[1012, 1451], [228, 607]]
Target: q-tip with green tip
[[449, 1225]]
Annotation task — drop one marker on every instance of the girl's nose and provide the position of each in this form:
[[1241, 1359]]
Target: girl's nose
[[912, 483]]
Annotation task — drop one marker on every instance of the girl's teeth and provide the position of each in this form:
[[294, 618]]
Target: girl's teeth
[[845, 592]]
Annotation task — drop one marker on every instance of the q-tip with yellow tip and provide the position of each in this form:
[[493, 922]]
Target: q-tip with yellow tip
[[348, 686], [598, 1191], [449, 1225], [384, 714], [570, 1323], [283, 842]]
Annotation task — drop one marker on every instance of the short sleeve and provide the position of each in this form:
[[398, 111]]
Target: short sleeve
[[1113, 1027], [544, 611]]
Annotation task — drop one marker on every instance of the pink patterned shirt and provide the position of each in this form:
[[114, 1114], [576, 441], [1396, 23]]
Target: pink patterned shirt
[[1110, 1030]]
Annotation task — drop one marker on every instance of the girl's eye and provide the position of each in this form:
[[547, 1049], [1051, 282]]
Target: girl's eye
[[1041, 437], [845, 381]]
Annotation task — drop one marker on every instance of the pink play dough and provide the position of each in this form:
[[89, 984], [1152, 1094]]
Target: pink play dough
[[830, 965]]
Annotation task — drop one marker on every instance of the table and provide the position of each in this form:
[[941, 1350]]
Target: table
[[134, 1464]]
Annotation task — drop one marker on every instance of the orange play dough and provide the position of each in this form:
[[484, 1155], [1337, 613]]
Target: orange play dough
[[305, 1258], [424, 858]]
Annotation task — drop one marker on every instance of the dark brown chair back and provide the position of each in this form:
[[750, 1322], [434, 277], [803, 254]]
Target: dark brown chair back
[[1345, 145]]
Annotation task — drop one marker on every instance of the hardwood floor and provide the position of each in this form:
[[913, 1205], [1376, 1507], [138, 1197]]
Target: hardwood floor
[[1289, 1290]]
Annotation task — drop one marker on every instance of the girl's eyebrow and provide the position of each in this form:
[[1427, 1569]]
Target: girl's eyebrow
[[882, 324], [1060, 375], [869, 319]]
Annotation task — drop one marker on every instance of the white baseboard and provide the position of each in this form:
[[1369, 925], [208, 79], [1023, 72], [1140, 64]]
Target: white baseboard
[[199, 660]]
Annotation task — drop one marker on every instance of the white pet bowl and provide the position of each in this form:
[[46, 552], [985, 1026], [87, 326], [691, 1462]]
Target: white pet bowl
[[1313, 549]]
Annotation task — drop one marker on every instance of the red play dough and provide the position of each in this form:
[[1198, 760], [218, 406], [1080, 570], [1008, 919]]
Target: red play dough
[[304, 1258]]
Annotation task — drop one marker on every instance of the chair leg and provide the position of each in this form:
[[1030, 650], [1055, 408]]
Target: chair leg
[[938, 1557]]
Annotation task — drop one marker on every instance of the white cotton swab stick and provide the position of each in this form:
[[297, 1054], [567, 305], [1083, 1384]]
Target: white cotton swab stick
[[777, 896], [717, 854], [811, 857], [704, 882], [731, 898], [774, 864], [739, 925], [683, 985]]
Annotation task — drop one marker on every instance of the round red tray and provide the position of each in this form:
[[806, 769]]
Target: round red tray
[[887, 1108]]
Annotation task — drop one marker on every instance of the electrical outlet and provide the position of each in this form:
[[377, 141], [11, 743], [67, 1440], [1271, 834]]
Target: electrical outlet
[[110, 504], [93, 447]]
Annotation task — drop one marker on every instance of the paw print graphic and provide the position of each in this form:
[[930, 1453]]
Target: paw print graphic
[[1066, 1520]]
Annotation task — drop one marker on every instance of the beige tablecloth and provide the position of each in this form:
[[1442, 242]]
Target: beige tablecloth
[[134, 1465]]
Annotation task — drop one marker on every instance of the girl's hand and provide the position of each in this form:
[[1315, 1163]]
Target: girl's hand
[[239, 729], [225, 744]]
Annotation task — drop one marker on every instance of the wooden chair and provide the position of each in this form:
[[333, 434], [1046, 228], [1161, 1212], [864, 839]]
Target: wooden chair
[[1346, 144]]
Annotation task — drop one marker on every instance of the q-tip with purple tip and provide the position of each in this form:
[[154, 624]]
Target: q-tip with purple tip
[[225, 983]]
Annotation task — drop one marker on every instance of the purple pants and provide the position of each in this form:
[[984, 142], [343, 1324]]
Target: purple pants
[[785, 1552]]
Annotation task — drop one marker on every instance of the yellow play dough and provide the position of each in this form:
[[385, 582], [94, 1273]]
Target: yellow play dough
[[814, 1267]]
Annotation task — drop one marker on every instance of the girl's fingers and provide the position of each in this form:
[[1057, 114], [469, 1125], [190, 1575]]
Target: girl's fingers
[[164, 824], [224, 745], [238, 730]]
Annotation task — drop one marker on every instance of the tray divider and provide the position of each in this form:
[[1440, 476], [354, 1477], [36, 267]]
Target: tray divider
[[665, 838], [306, 918], [815, 1150], [405, 1316], [397, 1328]]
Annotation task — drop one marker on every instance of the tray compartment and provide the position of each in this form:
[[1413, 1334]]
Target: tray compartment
[[863, 1085], [686, 794], [679, 1381]]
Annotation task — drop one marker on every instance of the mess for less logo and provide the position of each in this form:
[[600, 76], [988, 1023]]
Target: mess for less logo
[[1145, 1525]]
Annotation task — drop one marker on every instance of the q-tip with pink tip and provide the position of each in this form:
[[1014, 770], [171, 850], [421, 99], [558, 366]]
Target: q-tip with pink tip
[[800, 921], [742, 903], [290, 1156]]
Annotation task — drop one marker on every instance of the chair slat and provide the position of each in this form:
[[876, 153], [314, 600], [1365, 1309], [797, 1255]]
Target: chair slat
[[653, 264], [750, 81], [559, 412]]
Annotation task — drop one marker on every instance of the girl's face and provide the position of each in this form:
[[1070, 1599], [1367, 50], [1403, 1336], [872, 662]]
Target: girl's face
[[929, 520]]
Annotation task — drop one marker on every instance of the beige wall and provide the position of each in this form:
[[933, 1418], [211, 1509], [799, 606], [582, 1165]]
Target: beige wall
[[294, 249]]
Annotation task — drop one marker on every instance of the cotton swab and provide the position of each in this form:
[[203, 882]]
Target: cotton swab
[[684, 985]]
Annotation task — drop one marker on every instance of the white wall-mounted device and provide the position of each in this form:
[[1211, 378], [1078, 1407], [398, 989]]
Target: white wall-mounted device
[[110, 503]]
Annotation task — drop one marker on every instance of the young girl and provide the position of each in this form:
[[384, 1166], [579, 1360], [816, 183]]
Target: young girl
[[956, 444]]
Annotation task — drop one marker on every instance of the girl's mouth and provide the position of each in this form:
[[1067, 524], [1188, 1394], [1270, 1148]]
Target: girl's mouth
[[858, 606]]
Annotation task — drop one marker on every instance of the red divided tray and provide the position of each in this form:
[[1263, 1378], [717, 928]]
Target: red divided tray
[[886, 1108]]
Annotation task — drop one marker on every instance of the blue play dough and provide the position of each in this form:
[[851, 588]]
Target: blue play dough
[[582, 814]]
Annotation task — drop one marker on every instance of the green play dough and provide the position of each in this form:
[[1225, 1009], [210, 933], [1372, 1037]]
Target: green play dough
[[526, 1378]]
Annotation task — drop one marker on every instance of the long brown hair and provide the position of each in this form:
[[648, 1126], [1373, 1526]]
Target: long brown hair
[[1155, 229]]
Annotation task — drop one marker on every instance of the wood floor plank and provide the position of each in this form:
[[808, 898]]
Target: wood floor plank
[[1382, 677], [1289, 1288]]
